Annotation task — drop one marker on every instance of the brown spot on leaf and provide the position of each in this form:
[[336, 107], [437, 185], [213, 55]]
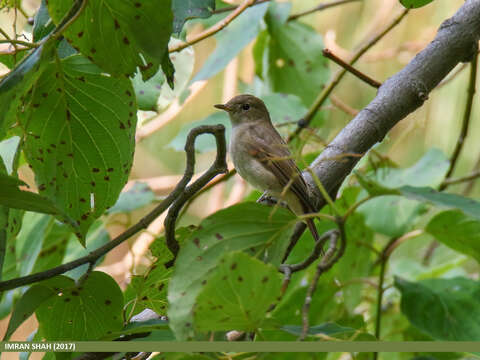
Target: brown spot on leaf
[[126, 41], [80, 34], [106, 178], [196, 241], [265, 279], [108, 302], [240, 279], [110, 170], [233, 266], [75, 293], [96, 170], [218, 236], [83, 200]]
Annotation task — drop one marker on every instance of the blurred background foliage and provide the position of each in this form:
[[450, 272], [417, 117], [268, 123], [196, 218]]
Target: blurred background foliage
[[204, 78]]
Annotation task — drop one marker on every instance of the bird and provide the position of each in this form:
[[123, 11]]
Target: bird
[[262, 158]]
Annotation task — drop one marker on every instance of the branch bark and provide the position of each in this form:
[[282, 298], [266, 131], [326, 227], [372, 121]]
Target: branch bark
[[403, 93]]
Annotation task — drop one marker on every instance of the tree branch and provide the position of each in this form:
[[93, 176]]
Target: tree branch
[[218, 131], [401, 94]]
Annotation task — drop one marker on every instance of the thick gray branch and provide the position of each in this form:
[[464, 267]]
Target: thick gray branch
[[456, 41]]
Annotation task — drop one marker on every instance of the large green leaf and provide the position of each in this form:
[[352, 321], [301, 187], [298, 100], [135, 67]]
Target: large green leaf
[[30, 301], [243, 227], [394, 215], [86, 312], [412, 4], [184, 10], [231, 40], [294, 57], [457, 231], [11, 196], [445, 309], [80, 143], [19, 81], [119, 36], [138, 196], [237, 294], [29, 241]]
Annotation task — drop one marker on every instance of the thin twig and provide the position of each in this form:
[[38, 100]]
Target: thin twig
[[19, 42], [219, 130], [297, 233], [214, 29], [332, 235], [327, 90], [320, 8], [380, 290], [218, 167], [468, 189], [234, 7], [364, 77], [453, 181], [327, 262], [466, 120], [347, 109]]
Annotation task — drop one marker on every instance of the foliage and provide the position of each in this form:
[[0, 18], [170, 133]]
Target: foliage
[[70, 104]]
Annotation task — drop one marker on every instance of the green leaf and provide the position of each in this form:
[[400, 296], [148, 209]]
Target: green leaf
[[97, 236], [413, 4], [19, 81], [42, 23], [54, 246], [11, 196], [294, 57], [8, 149], [147, 92], [237, 294], [184, 10], [83, 154], [204, 142], [445, 309], [155, 94], [29, 241], [246, 226], [149, 291], [87, 312], [450, 201], [395, 215], [141, 327], [125, 34], [457, 231], [30, 301], [138, 196], [231, 40]]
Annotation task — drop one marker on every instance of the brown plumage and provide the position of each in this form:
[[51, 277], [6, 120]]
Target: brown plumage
[[262, 157]]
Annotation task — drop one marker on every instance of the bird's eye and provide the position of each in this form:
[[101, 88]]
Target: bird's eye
[[245, 107]]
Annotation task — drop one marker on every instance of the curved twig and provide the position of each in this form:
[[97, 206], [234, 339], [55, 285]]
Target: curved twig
[[218, 130], [218, 167], [327, 262]]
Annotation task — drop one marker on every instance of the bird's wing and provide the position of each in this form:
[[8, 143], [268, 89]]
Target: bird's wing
[[278, 160]]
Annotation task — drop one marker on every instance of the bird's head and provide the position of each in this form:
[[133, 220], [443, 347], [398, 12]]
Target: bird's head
[[245, 108]]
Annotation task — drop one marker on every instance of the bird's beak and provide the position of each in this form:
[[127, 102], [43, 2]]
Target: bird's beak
[[222, 107]]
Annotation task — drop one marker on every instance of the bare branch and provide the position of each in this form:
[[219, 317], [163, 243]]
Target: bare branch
[[401, 94]]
